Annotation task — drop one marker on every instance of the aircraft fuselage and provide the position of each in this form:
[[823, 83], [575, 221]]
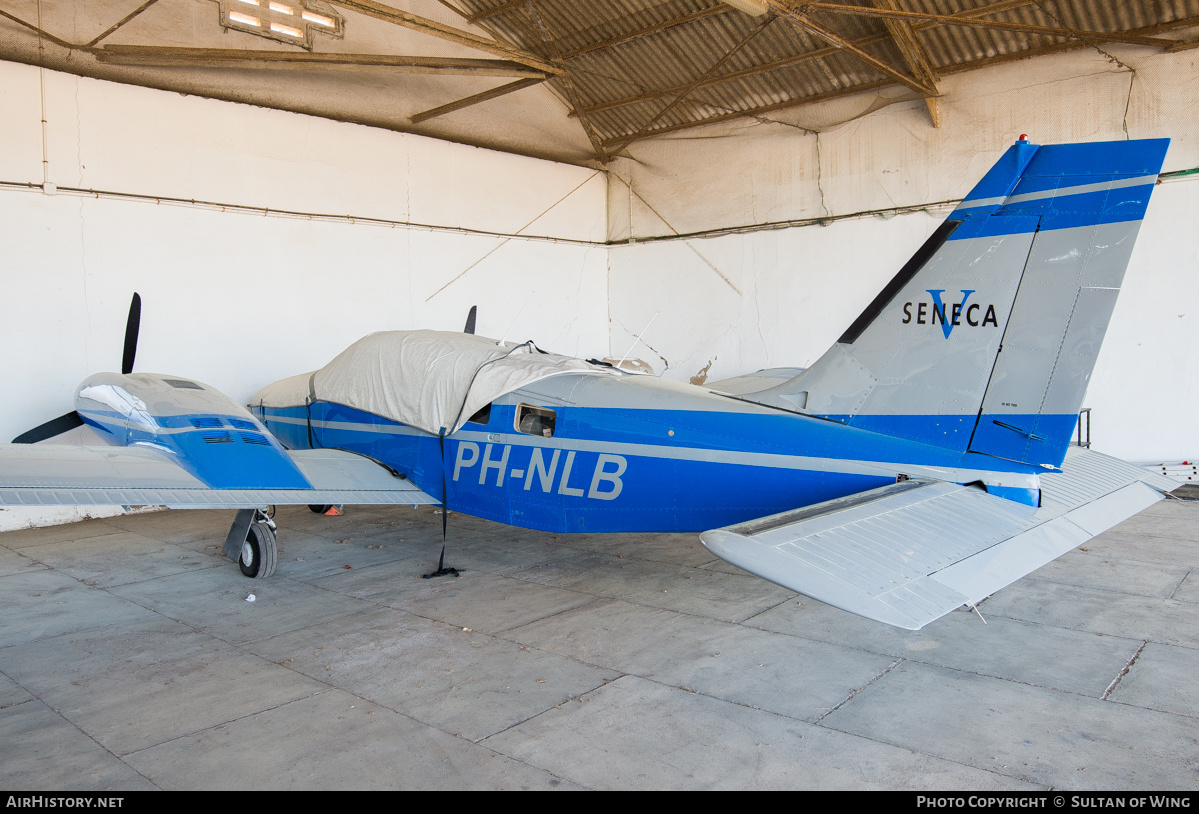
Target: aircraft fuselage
[[628, 453]]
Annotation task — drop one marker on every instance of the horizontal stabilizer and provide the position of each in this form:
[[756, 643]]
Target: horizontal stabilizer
[[908, 553], [48, 475]]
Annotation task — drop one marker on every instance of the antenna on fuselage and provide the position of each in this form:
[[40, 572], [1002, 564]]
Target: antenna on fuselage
[[518, 313], [637, 339]]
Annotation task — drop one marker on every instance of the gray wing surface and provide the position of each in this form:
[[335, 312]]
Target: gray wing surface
[[909, 553], [62, 475]]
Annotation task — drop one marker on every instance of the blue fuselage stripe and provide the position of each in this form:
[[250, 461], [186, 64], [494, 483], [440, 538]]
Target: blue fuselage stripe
[[611, 469]]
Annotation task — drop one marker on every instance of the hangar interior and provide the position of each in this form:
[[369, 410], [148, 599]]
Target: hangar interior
[[741, 177]]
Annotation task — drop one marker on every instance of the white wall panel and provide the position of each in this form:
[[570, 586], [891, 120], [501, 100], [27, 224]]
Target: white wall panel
[[1146, 382], [121, 138], [20, 99]]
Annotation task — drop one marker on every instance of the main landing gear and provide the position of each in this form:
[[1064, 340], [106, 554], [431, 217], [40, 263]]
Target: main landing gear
[[251, 541]]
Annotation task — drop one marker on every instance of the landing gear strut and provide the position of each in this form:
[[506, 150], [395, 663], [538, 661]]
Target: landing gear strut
[[251, 541]]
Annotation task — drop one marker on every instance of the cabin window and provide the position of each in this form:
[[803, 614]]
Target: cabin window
[[535, 421], [483, 416]]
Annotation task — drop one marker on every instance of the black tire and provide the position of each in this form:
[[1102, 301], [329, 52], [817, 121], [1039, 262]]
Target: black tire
[[259, 554], [318, 509]]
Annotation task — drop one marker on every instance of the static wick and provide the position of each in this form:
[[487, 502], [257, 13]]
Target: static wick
[[974, 608], [518, 313], [637, 339]]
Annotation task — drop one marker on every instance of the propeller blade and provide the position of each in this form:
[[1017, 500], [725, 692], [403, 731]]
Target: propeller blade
[[470, 320], [50, 429], [132, 325]]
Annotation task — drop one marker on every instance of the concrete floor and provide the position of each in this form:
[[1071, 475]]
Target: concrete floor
[[130, 659]]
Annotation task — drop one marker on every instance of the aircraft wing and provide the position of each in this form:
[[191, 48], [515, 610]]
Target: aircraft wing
[[911, 552], [47, 475]]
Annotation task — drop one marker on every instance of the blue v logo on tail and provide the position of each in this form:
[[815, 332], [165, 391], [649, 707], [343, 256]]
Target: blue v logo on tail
[[955, 315]]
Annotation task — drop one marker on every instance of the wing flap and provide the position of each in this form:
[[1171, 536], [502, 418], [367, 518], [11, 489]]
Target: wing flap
[[909, 553], [64, 475]]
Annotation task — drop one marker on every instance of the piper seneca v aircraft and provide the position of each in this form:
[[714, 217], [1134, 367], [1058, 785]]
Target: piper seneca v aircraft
[[921, 464]]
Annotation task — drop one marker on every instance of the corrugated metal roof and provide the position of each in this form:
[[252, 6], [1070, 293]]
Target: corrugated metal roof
[[644, 67]]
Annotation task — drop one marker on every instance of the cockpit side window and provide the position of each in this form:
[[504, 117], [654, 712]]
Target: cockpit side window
[[483, 416], [535, 421]]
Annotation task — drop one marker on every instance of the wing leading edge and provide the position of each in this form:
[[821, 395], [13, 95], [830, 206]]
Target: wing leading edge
[[911, 552], [50, 475]]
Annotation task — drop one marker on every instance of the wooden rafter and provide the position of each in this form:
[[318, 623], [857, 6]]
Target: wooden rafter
[[113, 28], [239, 58], [433, 28], [39, 31], [502, 90], [503, 8], [978, 22], [832, 37], [572, 92], [914, 54]]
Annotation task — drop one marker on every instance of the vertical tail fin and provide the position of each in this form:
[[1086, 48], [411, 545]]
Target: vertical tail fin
[[986, 339]]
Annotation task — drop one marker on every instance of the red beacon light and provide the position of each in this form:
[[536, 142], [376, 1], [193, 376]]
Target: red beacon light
[[1024, 137]]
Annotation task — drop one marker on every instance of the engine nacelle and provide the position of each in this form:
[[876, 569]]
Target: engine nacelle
[[198, 427]]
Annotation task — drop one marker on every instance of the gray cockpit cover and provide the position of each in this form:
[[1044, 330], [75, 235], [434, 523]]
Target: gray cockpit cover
[[425, 379]]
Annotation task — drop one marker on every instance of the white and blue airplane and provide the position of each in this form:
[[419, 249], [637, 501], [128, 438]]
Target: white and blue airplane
[[920, 465]]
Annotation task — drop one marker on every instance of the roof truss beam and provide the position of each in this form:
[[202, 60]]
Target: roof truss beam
[[977, 22], [914, 53], [113, 28], [486, 14], [833, 38], [572, 92], [486, 95], [238, 58], [433, 28]]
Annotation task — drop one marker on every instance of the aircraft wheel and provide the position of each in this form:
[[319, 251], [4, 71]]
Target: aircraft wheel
[[317, 509], [259, 553]]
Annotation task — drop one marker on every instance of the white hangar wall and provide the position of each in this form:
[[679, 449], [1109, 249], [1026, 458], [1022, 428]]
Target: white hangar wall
[[775, 297], [237, 297]]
